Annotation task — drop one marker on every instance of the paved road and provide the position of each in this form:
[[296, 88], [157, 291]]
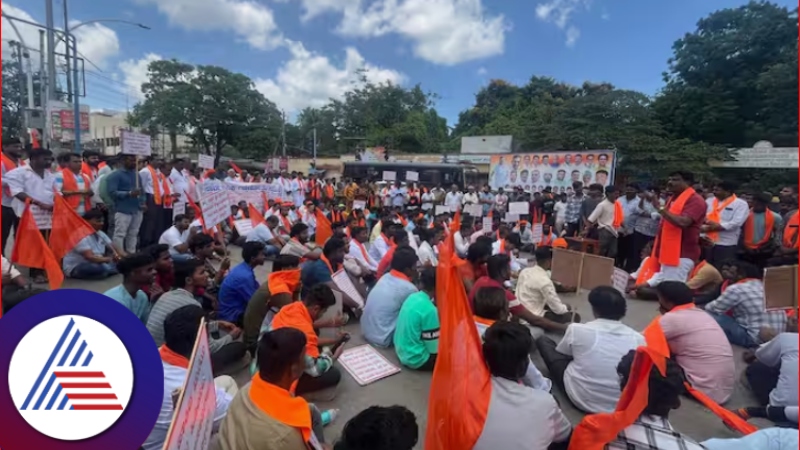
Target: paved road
[[411, 388]]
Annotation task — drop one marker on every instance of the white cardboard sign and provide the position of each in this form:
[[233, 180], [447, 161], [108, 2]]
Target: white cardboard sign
[[366, 365], [411, 176], [359, 204], [518, 208], [135, 143], [215, 203], [389, 175], [205, 161], [243, 226]]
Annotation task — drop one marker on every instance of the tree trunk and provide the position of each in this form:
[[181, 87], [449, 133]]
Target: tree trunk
[[173, 141]]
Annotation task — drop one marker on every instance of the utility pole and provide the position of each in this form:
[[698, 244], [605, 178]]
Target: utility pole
[[51, 50], [283, 131], [75, 103], [43, 84], [22, 88], [315, 147], [66, 51]]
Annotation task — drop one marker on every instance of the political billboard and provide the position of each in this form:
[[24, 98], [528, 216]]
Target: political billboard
[[534, 172]]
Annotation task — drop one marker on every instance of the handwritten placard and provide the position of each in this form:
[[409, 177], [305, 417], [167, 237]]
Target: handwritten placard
[[135, 143], [519, 208], [537, 233], [359, 204], [366, 365], [487, 224], [473, 210], [442, 209], [178, 208], [511, 218], [412, 176], [343, 281], [205, 161], [389, 175], [243, 226], [214, 201], [620, 280]]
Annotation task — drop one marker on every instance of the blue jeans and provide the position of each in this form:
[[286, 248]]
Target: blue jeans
[[737, 335], [271, 250], [181, 256], [93, 271]]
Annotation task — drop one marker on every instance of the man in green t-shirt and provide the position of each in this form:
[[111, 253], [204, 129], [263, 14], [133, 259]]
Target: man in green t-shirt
[[416, 338]]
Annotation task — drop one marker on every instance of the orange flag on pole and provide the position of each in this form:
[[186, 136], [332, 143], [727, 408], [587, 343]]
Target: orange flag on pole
[[324, 228], [235, 167], [461, 386], [31, 250], [256, 218], [68, 228]]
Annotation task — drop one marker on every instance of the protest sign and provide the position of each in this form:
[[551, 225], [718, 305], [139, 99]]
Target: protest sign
[[412, 176], [178, 208], [518, 208], [243, 226], [596, 271], [205, 161], [359, 204], [620, 280], [133, 143], [442, 209], [487, 224], [389, 175], [473, 210], [193, 420], [343, 281], [536, 233], [566, 267], [780, 287], [215, 203], [511, 218], [366, 365]]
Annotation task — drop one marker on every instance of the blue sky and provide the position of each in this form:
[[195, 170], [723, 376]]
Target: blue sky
[[301, 52]]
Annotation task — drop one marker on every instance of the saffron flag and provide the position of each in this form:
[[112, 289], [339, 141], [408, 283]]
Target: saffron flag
[[461, 386], [324, 229], [31, 250], [597, 430], [256, 218], [68, 228], [235, 167]]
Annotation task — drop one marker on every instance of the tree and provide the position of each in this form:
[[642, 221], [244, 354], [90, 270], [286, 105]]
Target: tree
[[733, 81], [214, 106]]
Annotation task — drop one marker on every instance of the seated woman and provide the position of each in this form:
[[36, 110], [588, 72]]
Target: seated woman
[[94, 257]]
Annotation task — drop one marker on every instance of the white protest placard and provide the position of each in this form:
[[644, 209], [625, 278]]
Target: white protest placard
[[473, 210], [620, 280], [536, 233], [343, 281], [442, 209], [243, 226], [411, 176], [43, 218], [389, 175], [518, 208], [359, 204], [215, 203], [205, 161], [178, 208], [133, 143], [193, 419], [366, 365], [487, 224], [510, 218]]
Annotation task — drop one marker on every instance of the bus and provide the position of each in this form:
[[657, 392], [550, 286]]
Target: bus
[[428, 174]]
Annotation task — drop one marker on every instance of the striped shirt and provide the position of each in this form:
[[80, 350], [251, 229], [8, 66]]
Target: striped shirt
[[652, 433], [746, 301], [166, 305], [59, 186]]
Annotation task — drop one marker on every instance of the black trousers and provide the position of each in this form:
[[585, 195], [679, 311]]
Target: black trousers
[[149, 232], [10, 220], [329, 379], [572, 229], [762, 380], [640, 241], [718, 254], [556, 362], [429, 364]]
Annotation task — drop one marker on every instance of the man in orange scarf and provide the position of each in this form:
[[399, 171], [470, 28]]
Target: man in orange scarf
[[265, 414], [319, 372], [607, 217], [787, 253], [677, 245], [724, 219], [761, 231], [74, 185]]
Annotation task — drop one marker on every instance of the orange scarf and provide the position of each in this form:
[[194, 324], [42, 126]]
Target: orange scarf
[[327, 263], [714, 215], [86, 169], [329, 191], [283, 281], [172, 358], [336, 216], [790, 232], [71, 184], [316, 192], [547, 241], [295, 315], [286, 223], [597, 430], [483, 321], [386, 239], [649, 268], [400, 275], [502, 246], [281, 405], [363, 250], [156, 184], [668, 241], [402, 219], [167, 193], [696, 270], [619, 215], [750, 227]]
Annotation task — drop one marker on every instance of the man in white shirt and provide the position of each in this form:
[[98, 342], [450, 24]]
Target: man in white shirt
[[427, 200], [773, 372], [430, 238], [358, 249], [537, 293], [462, 238], [381, 245], [584, 363], [724, 219], [397, 195], [180, 333], [179, 180], [177, 237], [453, 198], [603, 217], [471, 197], [560, 211], [12, 158], [500, 201], [267, 233]]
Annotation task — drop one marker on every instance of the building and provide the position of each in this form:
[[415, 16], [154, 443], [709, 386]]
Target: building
[[104, 132]]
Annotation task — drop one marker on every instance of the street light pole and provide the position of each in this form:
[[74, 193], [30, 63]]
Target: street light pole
[[51, 50], [75, 104], [66, 52]]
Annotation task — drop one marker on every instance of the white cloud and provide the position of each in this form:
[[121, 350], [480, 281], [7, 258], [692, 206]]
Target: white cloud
[[96, 42], [310, 79], [252, 22], [482, 71], [445, 32], [559, 12], [134, 72]]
